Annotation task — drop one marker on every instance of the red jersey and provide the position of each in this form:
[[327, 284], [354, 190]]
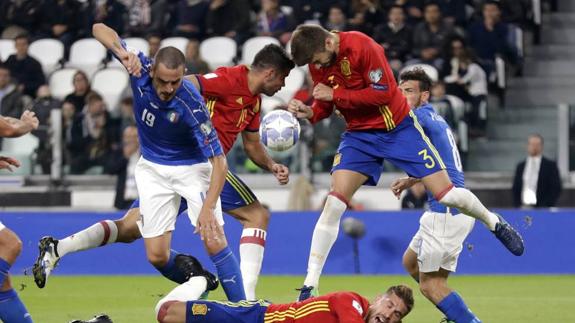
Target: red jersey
[[233, 108], [365, 91], [341, 307]]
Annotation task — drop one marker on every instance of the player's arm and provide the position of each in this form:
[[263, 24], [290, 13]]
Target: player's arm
[[258, 154], [11, 127], [207, 223], [377, 93], [210, 85], [317, 112], [110, 39], [349, 307]]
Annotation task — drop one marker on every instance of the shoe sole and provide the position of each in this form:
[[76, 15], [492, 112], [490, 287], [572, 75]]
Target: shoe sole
[[37, 269]]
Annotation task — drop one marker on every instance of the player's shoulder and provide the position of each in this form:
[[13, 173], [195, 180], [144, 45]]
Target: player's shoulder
[[350, 299], [355, 38]]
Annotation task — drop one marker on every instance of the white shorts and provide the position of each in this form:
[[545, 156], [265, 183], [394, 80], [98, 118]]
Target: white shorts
[[439, 240], [160, 188]]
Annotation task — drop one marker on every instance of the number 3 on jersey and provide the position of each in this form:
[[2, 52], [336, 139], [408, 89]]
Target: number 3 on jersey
[[148, 117]]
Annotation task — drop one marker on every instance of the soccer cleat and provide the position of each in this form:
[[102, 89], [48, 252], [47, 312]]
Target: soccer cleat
[[192, 267], [46, 262], [510, 238], [307, 292], [102, 318], [445, 320]]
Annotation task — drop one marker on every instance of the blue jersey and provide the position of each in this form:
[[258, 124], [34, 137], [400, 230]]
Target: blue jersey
[[442, 138], [175, 132]]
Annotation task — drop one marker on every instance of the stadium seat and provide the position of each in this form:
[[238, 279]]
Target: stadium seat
[[270, 103], [61, 82], [218, 51], [429, 70], [459, 115], [111, 84], [178, 42], [87, 54], [294, 81], [21, 148], [6, 48], [49, 52], [253, 45]]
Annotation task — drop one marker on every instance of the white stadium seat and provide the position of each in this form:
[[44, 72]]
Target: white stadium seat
[[218, 51], [111, 84], [294, 82], [178, 42], [61, 82], [87, 54], [6, 48], [429, 70], [21, 148], [253, 45], [48, 52]]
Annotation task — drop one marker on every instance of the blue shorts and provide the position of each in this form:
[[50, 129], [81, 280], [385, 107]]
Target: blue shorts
[[235, 194], [225, 312], [406, 147]]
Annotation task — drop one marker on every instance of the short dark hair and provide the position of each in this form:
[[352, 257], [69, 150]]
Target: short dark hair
[[127, 100], [4, 67], [273, 56], [171, 57], [306, 41], [23, 36], [537, 135], [93, 96], [417, 74], [489, 2], [403, 292], [396, 6]]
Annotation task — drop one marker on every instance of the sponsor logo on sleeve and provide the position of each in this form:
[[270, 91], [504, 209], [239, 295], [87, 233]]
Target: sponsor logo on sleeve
[[210, 76], [380, 87], [206, 128], [199, 309], [375, 75]]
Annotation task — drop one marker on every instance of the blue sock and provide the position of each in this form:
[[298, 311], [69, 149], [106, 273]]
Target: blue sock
[[455, 309], [4, 268], [229, 274], [170, 270], [12, 309]]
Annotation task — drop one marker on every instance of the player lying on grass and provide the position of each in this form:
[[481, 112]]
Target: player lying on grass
[[233, 99], [434, 250]]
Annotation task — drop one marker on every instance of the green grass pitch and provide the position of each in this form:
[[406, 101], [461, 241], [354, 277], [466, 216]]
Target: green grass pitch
[[131, 299]]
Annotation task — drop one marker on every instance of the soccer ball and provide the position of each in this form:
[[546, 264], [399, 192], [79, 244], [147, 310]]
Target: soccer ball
[[279, 130]]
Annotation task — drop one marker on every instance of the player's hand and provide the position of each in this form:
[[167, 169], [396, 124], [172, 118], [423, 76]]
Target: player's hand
[[29, 118], [281, 172], [323, 92], [131, 62], [299, 109], [401, 184], [8, 162], [208, 225]]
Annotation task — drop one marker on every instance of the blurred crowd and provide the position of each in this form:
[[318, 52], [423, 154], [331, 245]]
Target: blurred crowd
[[459, 40]]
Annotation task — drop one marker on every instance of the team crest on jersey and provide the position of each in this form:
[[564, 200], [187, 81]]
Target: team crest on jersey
[[336, 159], [240, 100], [173, 117], [199, 309], [206, 128], [375, 75], [345, 67]]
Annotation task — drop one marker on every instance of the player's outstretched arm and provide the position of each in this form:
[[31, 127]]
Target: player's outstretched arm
[[110, 39], [11, 127], [207, 224], [258, 154]]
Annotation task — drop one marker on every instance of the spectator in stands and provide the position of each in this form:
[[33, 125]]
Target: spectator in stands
[[429, 36], [123, 164], [71, 131], [81, 90], [154, 43], [272, 21], [413, 8], [472, 77], [194, 63], [537, 182], [11, 102], [442, 105], [18, 17], [127, 113], [98, 136], [415, 198], [190, 18], [229, 18], [395, 36], [25, 70], [336, 19], [364, 15], [60, 20], [111, 13], [454, 12], [311, 11], [145, 16], [43, 106]]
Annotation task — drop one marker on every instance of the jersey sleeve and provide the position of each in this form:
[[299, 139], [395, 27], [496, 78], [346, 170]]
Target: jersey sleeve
[[144, 60], [204, 132], [213, 84], [349, 307], [321, 109], [254, 124], [376, 73]]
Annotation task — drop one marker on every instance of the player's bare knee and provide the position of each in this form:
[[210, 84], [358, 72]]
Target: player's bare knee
[[165, 312], [10, 244], [214, 246]]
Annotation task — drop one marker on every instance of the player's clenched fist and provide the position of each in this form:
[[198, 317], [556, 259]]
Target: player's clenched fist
[[281, 172], [131, 62], [299, 109], [29, 117], [8, 162], [322, 92]]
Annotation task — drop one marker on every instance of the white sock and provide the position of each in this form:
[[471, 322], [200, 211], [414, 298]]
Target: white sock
[[97, 235], [252, 245], [462, 199], [188, 291], [324, 236]]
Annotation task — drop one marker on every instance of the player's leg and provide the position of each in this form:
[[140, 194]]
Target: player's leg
[[409, 262], [105, 232], [11, 307], [240, 202]]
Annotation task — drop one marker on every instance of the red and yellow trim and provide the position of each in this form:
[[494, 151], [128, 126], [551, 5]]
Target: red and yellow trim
[[293, 313]]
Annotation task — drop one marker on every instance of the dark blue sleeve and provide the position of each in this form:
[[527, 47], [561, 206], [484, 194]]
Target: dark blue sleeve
[[146, 62], [198, 118]]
